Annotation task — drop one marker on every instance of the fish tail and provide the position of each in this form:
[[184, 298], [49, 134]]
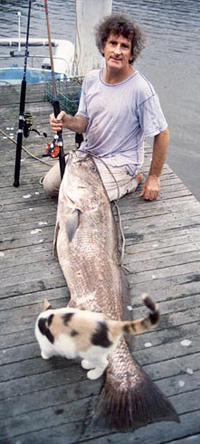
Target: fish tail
[[146, 323], [134, 407]]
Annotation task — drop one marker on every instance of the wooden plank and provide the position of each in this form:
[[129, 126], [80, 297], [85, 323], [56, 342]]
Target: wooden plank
[[16, 314], [164, 273], [161, 435], [150, 269], [11, 94], [32, 423], [41, 282], [195, 439]]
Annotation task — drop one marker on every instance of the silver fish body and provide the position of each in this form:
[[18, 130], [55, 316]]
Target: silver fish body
[[87, 245]]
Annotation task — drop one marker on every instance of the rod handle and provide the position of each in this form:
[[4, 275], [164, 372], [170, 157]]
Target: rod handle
[[56, 107]]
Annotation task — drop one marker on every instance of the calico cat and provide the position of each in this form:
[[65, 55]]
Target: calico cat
[[72, 333]]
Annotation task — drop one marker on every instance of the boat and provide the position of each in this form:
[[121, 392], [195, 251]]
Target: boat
[[39, 66], [70, 60]]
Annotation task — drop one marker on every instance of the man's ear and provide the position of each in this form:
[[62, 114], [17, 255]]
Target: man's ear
[[102, 51]]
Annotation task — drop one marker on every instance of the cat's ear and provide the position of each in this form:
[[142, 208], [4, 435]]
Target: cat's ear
[[46, 304]]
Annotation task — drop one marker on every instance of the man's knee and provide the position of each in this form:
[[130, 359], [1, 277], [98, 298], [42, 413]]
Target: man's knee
[[49, 187]]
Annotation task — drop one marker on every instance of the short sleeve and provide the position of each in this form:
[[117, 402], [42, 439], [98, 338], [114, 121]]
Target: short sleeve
[[151, 117], [82, 109]]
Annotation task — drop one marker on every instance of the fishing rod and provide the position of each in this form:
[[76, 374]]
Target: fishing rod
[[58, 140], [21, 108]]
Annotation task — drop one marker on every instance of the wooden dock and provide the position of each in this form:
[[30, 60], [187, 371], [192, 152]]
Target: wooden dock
[[52, 401]]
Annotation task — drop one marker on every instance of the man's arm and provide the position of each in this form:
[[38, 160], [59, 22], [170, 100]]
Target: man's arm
[[78, 124], [151, 187]]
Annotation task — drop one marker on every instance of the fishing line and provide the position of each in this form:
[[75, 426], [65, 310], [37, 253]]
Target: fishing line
[[21, 108], [58, 140]]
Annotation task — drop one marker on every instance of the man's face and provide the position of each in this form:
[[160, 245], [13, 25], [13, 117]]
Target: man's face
[[117, 52]]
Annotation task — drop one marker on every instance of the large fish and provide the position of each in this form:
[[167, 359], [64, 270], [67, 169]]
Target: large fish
[[86, 238]]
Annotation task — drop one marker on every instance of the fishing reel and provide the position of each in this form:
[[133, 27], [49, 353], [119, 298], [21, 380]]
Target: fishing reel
[[27, 128], [28, 122], [53, 148]]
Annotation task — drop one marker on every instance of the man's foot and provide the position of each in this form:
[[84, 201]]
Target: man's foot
[[138, 178]]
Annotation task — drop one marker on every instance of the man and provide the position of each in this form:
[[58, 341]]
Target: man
[[118, 108]]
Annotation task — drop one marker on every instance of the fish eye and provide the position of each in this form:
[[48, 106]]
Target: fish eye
[[93, 169]]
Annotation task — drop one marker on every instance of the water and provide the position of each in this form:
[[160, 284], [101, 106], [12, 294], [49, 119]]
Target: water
[[171, 61]]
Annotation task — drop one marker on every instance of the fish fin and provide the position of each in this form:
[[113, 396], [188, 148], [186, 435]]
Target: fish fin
[[57, 226], [72, 223], [126, 410]]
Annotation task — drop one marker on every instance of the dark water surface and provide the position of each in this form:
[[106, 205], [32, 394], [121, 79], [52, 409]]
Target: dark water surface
[[171, 61]]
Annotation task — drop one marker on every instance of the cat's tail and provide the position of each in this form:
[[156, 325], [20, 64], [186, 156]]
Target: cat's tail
[[139, 325]]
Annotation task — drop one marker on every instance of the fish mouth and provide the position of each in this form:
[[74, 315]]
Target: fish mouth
[[75, 158], [71, 201]]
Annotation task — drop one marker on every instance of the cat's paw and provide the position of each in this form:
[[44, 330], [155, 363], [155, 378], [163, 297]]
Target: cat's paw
[[86, 364], [95, 373], [44, 356]]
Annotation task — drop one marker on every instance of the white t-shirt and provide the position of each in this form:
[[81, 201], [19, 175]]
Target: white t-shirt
[[119, 117]]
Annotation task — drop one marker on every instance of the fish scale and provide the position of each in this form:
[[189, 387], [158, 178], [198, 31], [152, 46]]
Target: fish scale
[[86, 238]]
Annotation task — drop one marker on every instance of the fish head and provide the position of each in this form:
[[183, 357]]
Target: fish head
[[83, 187]]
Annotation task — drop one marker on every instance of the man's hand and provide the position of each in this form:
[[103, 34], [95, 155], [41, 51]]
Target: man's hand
[[57, 123], [151, 188], [74, 123]]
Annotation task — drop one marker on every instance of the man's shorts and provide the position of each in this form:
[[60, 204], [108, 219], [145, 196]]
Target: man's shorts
[[116, 180]]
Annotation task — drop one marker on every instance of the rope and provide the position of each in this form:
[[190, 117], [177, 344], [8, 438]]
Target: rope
[[123, 243], [100, 158], [25, 149]]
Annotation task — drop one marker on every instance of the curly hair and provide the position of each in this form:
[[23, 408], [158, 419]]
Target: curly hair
[[121, 24]]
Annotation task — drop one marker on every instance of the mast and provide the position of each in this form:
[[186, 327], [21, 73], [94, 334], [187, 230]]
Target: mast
[[88, 14]]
